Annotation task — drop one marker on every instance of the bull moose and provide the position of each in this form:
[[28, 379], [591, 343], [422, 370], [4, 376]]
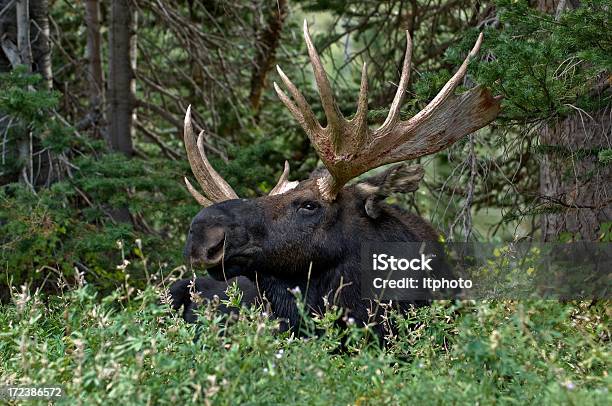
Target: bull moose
[[308, 234]]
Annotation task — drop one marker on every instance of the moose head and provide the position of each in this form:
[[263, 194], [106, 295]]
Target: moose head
[[308, 234]]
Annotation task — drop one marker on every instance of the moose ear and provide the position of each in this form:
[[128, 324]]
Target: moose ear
[[400, 178]]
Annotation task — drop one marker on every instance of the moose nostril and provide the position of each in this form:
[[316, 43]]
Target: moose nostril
[[214, 251], [207, 248]]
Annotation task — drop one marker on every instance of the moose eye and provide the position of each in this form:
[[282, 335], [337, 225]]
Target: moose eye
[[308, 207]]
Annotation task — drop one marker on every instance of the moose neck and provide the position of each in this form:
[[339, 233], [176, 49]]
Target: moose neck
[[334, 285]]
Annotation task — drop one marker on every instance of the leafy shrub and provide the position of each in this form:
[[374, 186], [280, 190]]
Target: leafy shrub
[[129, 349]]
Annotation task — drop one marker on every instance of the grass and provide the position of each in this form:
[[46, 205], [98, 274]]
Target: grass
[[130, 349]]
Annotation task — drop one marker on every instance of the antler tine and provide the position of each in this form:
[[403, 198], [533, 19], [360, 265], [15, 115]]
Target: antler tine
[[197, 195], [315, 133], [444, 120], [283, 183], [335, 120], [303, 113], [450, 86], [293, 109], [360, 120], [213, 185], [394, 110]]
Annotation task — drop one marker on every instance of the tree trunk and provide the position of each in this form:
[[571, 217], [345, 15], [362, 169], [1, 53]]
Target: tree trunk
[[41, 59], [133, 61], [24, 36], [23, 33], [8, 30], [24, 143], [572, 181], [266, 52], [7, 35], [95, 72], [41, 50], [121, 77]]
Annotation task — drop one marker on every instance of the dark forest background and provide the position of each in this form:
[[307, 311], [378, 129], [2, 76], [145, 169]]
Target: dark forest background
[[93, 95]]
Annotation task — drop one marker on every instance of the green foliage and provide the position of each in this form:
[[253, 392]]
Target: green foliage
[[20, 99], [74, 225], [251, 169], [545, 68], [24, 108], [605, 156], [129, 349], [71, 224], [606, 232]]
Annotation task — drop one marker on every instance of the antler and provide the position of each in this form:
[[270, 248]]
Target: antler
[[215, 188], [283, 185], [349, 148]]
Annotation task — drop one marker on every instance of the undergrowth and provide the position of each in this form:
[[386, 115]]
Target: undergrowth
[[130, 347]]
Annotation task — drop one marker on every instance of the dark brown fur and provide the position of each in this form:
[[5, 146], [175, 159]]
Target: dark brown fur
[[298, 239]]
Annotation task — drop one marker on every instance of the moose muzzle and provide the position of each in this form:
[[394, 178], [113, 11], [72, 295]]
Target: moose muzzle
[[207, 247]]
